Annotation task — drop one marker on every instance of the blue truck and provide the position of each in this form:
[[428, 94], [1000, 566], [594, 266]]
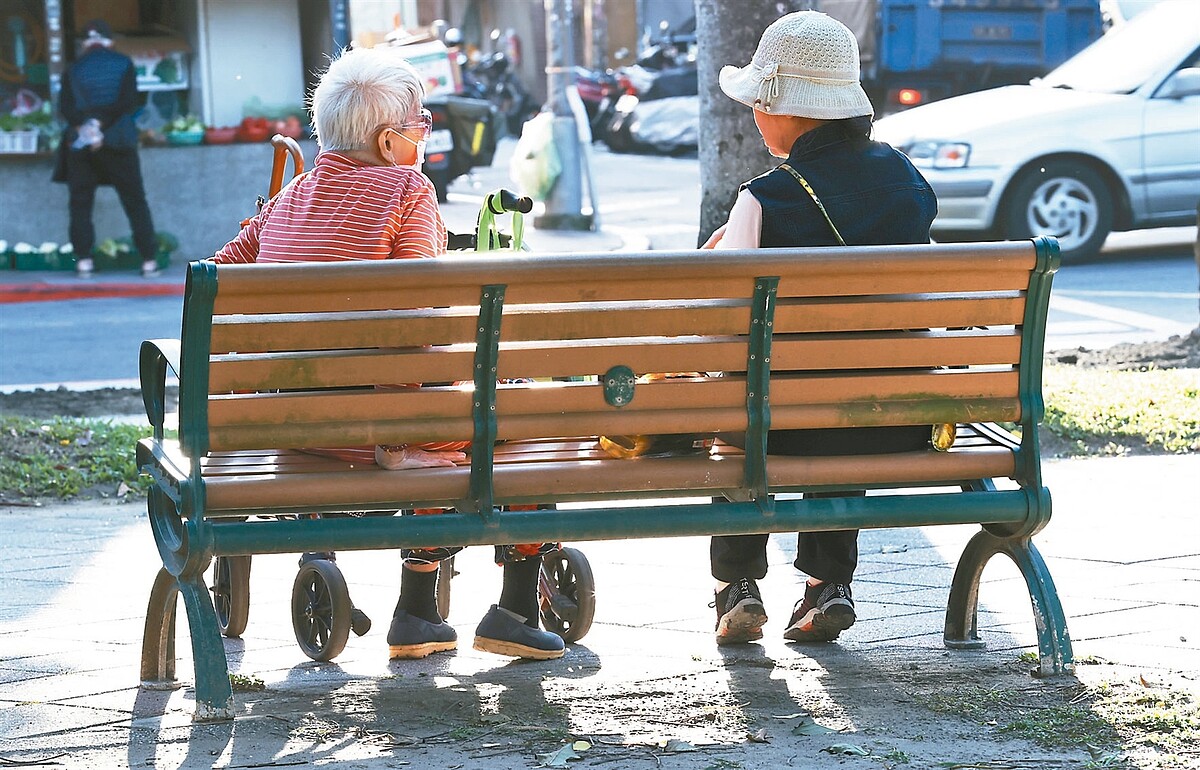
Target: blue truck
[[917, 51]]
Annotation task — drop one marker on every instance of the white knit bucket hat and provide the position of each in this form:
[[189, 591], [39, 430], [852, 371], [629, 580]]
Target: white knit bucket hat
[[806, 65]]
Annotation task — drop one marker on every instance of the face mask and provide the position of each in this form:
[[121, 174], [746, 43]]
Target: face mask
[[420, 145]]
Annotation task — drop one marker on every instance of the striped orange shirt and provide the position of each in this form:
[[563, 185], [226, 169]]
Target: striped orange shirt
[[344, 210]]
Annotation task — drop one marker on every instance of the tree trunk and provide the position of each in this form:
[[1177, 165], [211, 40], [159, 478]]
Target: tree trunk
[[731, 149]]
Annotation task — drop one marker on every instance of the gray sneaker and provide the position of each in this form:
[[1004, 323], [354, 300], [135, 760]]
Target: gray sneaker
[[413, 637], [504, 633]]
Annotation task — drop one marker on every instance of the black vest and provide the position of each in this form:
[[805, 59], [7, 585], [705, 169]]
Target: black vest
[[872, 193]]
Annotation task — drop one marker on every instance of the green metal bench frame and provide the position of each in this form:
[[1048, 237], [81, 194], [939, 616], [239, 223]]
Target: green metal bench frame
[[187, 540]]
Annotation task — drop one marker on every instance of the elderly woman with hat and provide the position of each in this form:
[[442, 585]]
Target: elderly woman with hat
[[835, 187], [364, 199]]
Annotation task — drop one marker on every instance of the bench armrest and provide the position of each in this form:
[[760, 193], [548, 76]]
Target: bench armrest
[[153, 361]]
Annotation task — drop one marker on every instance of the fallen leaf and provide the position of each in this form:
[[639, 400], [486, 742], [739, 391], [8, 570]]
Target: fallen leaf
[[848, 749], [558, 758], [809, 726], [581, 745], [759, 737], [677, 746], [123, 489]]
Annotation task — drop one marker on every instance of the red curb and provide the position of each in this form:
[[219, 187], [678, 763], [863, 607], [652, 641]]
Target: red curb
[[50, 292]]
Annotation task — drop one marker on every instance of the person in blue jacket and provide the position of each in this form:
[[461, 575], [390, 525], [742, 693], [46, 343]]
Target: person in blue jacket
[[98, 99], [835, 187]]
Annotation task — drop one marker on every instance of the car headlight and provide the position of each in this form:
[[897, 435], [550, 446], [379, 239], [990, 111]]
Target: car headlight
[[938, 154]]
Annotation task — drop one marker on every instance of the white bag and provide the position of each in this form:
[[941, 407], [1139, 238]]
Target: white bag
[[535, 164]]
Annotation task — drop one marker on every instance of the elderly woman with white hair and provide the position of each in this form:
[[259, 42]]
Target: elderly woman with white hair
[[835, 187], [366, 198]]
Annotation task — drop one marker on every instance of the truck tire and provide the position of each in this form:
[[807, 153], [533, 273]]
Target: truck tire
[[1066, 200]]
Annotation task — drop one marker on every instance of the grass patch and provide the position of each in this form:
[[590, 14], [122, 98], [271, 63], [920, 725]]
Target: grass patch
[[64, 458], [246, 683], [1127, 716], [1113, 412]]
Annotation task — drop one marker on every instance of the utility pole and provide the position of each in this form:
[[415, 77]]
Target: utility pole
[[564, 205], [597, 27]]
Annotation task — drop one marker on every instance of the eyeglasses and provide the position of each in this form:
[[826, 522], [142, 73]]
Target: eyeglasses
[[425, 124]]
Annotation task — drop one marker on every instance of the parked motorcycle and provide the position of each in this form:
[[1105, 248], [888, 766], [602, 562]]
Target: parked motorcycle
[[493, 77], [465, 131], [599, 92], [652, 105]]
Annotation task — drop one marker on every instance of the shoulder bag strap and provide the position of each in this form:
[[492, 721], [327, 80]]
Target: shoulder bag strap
[[821, 206]]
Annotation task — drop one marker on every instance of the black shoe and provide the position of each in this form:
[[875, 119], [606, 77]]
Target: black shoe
[[740, 613], [413, 637], [826, 610], [504, 632]]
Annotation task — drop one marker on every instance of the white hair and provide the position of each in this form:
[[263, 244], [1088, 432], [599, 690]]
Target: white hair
[[364, 89]]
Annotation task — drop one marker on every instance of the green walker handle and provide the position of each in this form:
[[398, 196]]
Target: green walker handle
[[487, 236]]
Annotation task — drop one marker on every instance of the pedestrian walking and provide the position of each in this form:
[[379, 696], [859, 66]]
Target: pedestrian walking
[[100, 145]]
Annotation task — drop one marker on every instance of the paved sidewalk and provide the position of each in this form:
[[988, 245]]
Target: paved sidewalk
[[1124, 550]]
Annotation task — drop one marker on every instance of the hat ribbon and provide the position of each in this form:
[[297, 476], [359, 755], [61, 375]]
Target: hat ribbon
[[768, 86]]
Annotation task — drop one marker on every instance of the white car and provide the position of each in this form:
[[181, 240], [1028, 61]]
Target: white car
[[1110, 140]]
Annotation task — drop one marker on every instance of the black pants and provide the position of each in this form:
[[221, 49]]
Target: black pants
[[829, 556], [87, 170]]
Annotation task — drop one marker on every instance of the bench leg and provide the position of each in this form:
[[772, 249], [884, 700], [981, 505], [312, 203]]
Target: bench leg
[[214, 696], [1055, 656], [158, 640]]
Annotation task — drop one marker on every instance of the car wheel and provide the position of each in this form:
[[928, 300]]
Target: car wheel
[[1066, 200]]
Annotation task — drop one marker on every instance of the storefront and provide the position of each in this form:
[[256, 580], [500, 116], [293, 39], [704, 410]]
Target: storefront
[[206, 63]]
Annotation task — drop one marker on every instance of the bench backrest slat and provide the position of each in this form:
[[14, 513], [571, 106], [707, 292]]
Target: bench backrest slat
[[319, 354], [364, 368]]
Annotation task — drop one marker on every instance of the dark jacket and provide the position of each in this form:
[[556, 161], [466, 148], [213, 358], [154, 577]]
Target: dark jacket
[[871, 192], [102, 84], [874, 196]]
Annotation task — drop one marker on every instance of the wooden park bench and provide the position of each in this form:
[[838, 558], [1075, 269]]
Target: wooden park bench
[[275, 358]]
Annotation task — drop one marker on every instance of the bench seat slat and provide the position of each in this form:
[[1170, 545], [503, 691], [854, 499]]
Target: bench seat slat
[[525, 470]]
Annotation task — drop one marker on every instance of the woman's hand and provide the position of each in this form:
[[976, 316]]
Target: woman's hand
[[401, 458], [715, 238]]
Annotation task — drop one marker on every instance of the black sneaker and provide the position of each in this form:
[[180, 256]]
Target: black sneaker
[[826, 610], [740, 613]]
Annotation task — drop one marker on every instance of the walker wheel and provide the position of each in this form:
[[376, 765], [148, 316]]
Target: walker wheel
[[567, 593], [231, 593], [320, 609]]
